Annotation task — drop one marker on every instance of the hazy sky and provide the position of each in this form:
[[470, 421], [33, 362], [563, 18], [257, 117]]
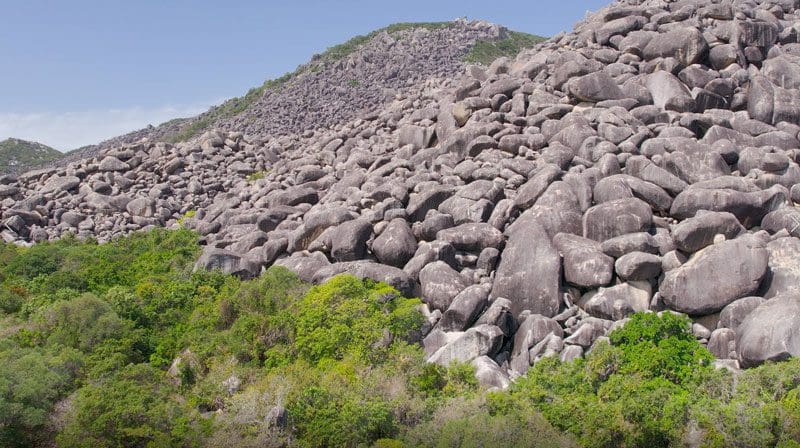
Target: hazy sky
[[75, 72]]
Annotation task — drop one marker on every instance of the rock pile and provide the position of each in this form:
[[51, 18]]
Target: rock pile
[[327, 91], [646, 161]]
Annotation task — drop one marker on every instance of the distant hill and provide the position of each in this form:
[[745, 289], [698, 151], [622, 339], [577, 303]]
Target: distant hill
[[18, 155]]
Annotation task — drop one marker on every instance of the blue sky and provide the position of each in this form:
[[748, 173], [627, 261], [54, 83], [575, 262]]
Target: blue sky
[[76, 72]]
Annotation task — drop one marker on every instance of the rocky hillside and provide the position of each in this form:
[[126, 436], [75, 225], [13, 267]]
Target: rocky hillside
[[353, 78], [20, 155], [648, 160]]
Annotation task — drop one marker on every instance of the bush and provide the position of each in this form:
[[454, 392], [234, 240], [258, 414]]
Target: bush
[[31, 381], [351, 316], [486, 51], [134, 407]]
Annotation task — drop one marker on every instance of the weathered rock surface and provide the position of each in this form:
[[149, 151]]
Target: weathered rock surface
[[771, 332], [716, 276]]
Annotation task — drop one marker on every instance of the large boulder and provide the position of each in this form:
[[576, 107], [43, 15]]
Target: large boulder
[[784, 268], [585, 264], [716, 276], [349, 240], [396, 244], [699, 231], [615, 218], [748, 207], [481, 340], [529, 274], [228, 262], [669, 93], [771, 332], [465, 308], [686, 44], [595, 87], [471, 237], [440, 284]]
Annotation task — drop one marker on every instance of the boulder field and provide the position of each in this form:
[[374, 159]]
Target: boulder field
[[647, 160]]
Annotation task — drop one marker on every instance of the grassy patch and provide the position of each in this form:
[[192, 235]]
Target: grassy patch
[[486, 51], [258, 175]]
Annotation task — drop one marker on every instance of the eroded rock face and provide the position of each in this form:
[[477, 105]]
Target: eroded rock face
[[647, 160]]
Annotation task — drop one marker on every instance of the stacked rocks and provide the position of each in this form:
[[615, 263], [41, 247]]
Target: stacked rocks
[[327, 91], [647, 161]]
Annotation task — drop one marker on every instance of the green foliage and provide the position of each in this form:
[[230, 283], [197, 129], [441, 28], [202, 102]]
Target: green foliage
[[31, 381], [133, 407], [258, 175], [660, 346], [352, 316], [188, 215], [486, 51], [90, 333]]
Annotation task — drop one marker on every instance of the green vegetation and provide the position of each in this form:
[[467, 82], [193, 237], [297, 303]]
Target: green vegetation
[[258, 175], [20, 155], [122, 345], [486, 51]]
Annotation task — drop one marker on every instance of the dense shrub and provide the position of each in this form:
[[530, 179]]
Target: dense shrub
[[90, 335]]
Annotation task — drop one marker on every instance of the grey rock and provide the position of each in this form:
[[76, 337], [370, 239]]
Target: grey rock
[[585, 265], [687, 45], [638, 266], [529, 272], [228, 262], [396, 244], [631, 242], [531, 331], [350, 240], [771, 332], [615, 218], [617, 302], [110, 163], [465, 308], [722, 343], [595, 87], [472, 237], [489, 374], [482, 340], [669, 93], [716, 276], [699, 231], [440, 285], [784, 267], [734, 314]]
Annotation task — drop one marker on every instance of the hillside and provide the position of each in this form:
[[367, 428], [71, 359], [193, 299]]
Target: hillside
[[19, 155], [352, 78], [594, 242]]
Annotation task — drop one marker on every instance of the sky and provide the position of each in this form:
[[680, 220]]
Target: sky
[[76, 72]]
